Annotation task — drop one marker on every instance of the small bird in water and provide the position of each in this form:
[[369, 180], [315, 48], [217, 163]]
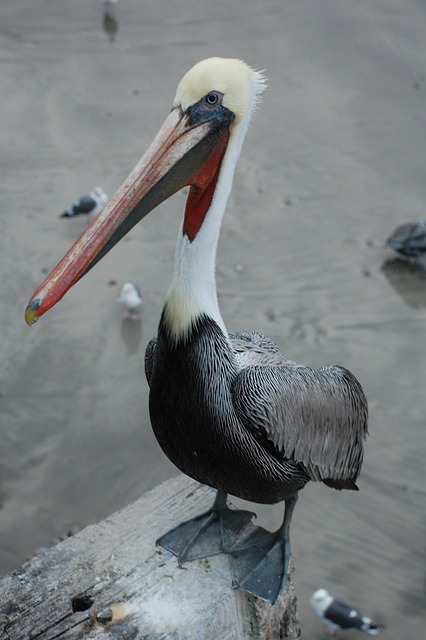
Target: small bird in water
[[131, 298], [409, 239], [340, 615], [90, 204]]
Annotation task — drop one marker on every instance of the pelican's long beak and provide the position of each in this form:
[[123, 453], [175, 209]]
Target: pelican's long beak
[[187, 150]]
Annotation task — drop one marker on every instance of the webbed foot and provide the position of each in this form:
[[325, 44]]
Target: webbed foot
[[260, 565], [208, 534]]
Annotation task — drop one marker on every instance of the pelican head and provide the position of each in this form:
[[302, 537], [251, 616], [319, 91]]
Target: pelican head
[[233, 79], [204, 130]]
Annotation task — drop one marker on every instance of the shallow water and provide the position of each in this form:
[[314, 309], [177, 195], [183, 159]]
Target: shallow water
[[333, 162]]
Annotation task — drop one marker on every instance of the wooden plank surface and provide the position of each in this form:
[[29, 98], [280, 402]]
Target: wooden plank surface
[[111, 582]]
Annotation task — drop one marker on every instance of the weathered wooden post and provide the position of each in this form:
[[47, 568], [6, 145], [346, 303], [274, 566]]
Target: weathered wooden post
[[111, 582]]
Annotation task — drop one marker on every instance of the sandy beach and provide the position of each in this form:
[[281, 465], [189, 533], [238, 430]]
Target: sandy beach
[[334, 160]]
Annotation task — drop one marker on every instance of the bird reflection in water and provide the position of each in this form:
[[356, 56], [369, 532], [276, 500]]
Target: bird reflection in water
[[109, 18], [131, 332], [408, 279]]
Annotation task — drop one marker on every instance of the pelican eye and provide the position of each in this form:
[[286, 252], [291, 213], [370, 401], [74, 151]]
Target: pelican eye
[[213, 98]]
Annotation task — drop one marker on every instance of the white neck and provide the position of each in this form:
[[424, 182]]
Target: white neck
[[193, 288]]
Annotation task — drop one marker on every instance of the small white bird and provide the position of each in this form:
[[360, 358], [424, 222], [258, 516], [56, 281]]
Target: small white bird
[[90, 204], [131, 298], [340, 615]]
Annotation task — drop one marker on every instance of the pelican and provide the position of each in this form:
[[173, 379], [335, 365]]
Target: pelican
[[409, 239], [339, 615], [227, 409], [89, 204]]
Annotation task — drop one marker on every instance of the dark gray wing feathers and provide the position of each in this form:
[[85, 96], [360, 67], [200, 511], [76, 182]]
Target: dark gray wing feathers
[[317, 417]]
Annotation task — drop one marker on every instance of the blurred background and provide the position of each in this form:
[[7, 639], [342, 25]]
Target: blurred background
[[334, 160]]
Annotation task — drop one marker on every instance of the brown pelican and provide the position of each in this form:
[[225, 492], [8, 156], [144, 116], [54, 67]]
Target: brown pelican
[[409, 239], [228, 409]]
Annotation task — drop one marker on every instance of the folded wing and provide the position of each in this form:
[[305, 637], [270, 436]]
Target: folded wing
[[316, 417]]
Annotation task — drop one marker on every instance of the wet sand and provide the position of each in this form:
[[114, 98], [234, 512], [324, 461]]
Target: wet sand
[[334, 160]]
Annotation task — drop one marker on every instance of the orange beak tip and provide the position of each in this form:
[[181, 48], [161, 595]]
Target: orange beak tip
[[31, 312]]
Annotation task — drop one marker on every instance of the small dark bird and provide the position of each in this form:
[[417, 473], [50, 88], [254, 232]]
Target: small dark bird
[[89, 205], [340, 615], [130, 298], [409, 239]]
